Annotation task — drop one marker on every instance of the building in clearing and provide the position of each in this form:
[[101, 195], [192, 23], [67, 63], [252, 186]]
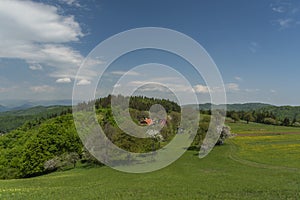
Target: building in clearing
[[147, 121]]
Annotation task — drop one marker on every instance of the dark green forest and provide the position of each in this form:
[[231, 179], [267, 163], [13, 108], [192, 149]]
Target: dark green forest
[[11, 120]]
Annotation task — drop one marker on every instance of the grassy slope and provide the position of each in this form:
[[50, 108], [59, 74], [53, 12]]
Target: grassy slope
[[262, 167]]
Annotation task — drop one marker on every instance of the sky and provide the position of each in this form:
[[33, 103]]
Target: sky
[[255, 45]]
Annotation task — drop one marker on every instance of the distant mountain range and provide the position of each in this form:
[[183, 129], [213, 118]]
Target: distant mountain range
[[12, 119], [36, 106], [3, 108], [11, 105], [231, 107]]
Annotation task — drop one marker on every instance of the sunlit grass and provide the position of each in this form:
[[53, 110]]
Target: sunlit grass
[[259, 167], [255, 128], [278, 150]]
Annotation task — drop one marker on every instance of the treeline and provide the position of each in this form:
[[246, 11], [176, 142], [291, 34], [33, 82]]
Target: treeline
[[141, 103], [260, 113], [263, 116]]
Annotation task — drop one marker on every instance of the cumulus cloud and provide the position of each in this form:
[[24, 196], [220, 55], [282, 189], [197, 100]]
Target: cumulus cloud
[[63, 80], [153, 88], [84, 82], [35, 66], [42, 88], [38, 33], [36, 22], [229, 87], [201, 88]]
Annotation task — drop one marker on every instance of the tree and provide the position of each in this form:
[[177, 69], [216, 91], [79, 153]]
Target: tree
[[294, 119], [70, 159], [286, 122], [270, 121], [248, 117], [225, 133], [235, 117], [52, 164]]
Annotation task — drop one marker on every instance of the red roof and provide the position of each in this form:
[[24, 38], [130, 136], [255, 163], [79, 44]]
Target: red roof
[[148, 121]]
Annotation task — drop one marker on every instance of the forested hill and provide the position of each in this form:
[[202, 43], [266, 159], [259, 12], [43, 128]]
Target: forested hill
[[10, 120], [232, 107], [281, 112]]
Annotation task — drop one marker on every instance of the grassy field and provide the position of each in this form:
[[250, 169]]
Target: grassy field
[[274, 151], [255, 128], [259, 167]]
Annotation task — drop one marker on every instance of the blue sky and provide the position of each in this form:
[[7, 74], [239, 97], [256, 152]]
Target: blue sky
[[255, 44]]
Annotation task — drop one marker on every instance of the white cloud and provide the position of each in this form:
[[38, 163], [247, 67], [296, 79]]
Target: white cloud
[[273, 91], [42, 88], [71, 2], [38, 33], [287, 10], [285, 23], [232, 87], [238, 78], [279, 9], [153, 88], [36, 22], [63, 80], [229, 87], [201, 88], [117, 85], [129, 73], [84, 82], [35, 66]]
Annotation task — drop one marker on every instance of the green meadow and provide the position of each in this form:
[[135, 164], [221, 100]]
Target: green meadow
[[246, 167], [257, 128]]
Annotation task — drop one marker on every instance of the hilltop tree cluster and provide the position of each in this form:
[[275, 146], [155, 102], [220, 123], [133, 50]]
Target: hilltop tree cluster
[[42, 146]]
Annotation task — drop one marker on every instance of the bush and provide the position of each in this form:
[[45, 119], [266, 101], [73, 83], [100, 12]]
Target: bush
[[270, 121]]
